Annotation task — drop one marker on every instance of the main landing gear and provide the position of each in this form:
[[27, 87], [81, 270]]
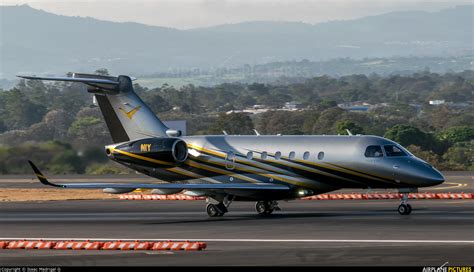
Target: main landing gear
[[215, 210], [266, 207], [404, 208]]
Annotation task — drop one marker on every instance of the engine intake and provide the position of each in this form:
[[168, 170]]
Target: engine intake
[[150, 152]]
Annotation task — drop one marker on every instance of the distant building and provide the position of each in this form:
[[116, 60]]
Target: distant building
[[248, 111], [437, 102], [258, 106], [355, 106], [292, 105], [233, 111], [177, 125]]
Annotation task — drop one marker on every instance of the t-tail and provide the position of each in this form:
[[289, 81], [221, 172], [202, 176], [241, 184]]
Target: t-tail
[[126, 115]]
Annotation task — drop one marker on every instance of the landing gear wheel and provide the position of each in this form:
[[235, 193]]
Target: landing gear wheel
[[263, 207], [222, 208], [404, 209], [260, 207], [212, 210], [409, 208]]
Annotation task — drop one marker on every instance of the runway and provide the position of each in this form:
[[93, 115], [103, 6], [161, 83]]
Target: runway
[[367, 232]]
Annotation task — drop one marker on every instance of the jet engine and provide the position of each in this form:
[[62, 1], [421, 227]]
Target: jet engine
[[150, 152]]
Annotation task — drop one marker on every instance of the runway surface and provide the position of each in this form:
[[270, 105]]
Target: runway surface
[[368, 232]]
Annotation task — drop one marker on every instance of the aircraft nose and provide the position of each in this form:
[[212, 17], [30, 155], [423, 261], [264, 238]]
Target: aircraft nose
[[426, 174], [436, 177]]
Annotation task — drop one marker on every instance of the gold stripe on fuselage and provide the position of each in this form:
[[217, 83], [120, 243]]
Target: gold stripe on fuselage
[[302, 167], [171, 169], [140, 157], [220, 171], [253, 164], [267, 175]]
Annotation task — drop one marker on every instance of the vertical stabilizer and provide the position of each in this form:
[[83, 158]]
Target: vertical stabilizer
[[126, 115]]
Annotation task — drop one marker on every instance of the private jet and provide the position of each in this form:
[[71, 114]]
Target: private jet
[[226, 168]]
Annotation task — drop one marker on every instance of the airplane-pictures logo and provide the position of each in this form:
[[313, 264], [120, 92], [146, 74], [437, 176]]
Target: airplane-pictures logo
[[130, 113], [445, 268]]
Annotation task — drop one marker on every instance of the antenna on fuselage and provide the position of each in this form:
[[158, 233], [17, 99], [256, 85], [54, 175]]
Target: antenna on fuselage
[[256, 132], [225, 132], [349, 132]]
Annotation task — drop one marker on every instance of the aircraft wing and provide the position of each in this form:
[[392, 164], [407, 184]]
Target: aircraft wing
[[243, 186]]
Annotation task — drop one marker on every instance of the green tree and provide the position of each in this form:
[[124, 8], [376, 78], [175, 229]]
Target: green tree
[[88, 131], [460, 156], [156, 102], [20, 112], [326, 104], [102, 72], [408, 135], [233, 124], [281, 122], [354, 128], [66, 162], [457, 134]]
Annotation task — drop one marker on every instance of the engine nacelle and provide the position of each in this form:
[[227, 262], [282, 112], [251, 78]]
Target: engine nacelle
[[150, 152]]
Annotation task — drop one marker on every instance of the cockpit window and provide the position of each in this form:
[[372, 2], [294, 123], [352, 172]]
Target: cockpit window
[[373, 151], [394, 151]]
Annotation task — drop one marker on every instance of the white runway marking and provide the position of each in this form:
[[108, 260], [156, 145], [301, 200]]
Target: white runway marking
[[257, 240]]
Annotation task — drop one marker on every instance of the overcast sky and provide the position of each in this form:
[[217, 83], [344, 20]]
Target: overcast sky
[[185, 14]]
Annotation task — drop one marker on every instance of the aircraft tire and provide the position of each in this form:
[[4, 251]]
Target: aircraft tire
[[212, 210], [263, 208], [404, 209], [409, 208]]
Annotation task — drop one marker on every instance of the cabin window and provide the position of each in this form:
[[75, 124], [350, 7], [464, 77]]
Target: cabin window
[[306, 155], [264, 155], [292, 155], [373, 151], [277, 155], [394, 151], [320, 155], [249, 155], [230, 156]]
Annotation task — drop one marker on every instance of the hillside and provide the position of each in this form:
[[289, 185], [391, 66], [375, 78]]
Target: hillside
[[34, 41]]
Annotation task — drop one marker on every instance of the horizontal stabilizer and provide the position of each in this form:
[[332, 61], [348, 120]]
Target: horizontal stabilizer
[[74, 79], [188, 186]]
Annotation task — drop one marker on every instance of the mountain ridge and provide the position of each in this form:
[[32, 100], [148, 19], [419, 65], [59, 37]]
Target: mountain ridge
[[36, 41]]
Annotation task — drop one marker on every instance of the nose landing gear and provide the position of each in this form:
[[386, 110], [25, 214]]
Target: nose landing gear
[[404, 208]]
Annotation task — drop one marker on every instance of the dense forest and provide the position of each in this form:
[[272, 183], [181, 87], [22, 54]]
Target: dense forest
[[57, 125]]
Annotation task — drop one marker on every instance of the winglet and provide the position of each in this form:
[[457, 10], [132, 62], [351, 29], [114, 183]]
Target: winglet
[[42, 178]]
